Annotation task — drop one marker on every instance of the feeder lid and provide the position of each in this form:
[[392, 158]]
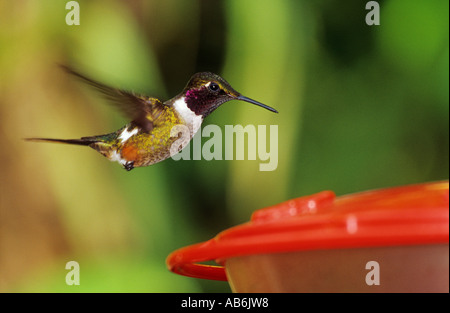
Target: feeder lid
[[408, 215]]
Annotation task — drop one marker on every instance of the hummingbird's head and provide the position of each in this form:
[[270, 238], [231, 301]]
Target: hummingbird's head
[[206, 91]]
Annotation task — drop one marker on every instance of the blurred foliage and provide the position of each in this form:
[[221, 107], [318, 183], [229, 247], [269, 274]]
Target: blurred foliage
[[360, 108]]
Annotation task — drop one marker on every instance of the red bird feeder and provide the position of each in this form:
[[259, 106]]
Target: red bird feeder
[[388, 240]]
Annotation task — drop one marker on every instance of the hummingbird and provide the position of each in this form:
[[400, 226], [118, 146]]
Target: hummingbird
[[147, 139]]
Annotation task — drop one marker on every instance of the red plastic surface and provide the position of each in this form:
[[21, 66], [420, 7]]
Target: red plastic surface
[[408, 215]]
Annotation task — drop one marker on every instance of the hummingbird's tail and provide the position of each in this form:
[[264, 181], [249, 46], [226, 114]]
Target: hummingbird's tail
[[85, 141]]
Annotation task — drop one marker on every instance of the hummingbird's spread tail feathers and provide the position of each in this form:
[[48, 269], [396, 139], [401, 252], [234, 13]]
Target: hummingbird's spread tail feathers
[[82, 142], [104, 144]]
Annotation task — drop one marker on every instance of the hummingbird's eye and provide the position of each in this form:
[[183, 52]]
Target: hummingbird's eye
[[214, 87]]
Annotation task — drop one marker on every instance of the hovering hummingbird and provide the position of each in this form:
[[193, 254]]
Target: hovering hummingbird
[[147, 138]]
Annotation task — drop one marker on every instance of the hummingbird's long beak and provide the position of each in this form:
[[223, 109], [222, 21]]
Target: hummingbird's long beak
[[242, 98]]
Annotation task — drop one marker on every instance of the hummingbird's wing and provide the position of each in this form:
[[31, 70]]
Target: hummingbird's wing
[[142, 110]]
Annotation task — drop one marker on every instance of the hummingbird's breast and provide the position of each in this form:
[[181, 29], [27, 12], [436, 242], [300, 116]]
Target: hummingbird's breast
[[187, 116]]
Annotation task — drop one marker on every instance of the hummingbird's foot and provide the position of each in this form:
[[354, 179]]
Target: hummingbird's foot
[[129, 166]]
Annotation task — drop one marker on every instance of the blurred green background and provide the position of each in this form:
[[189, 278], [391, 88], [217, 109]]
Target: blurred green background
[[361, 107]]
